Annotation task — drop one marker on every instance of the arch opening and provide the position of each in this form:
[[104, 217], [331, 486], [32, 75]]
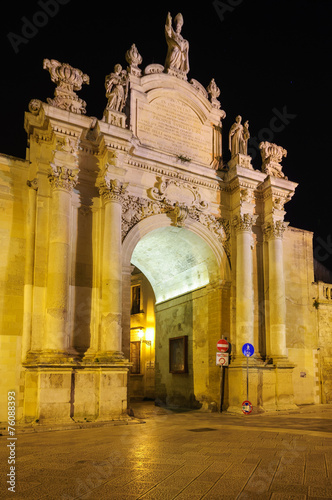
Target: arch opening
[[177, 270]]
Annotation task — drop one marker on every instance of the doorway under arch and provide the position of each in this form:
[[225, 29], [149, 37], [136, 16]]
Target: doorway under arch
[[185, 268]]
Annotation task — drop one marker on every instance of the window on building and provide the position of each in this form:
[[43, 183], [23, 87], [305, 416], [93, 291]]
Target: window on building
[[135, 299], [135, 355]]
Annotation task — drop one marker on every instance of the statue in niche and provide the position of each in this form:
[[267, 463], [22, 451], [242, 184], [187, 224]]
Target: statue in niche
[[178, 48], [235, 135], [244, 139], [116, 85]]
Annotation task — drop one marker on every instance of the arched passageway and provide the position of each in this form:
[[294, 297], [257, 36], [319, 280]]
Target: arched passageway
[[179, 273]]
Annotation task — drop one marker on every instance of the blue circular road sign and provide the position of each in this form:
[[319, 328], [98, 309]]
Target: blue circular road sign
[[248, 350]]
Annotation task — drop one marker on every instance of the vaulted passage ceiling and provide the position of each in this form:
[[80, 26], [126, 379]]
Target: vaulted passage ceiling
[[174, 260]]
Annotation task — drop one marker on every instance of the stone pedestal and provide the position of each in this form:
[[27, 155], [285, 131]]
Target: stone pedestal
[[75, 393]]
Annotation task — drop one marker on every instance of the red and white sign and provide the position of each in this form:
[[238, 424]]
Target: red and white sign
[[246, 407], [222, 358], [222, 345]]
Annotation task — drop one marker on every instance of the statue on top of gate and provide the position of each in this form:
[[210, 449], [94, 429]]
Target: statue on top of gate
[[177, 58]]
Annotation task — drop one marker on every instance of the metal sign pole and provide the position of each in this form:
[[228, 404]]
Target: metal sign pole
[[221, 387], [247, 377]]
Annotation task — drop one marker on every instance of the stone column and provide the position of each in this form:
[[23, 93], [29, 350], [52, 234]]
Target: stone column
[[276, 343], [244, 281], [57, 341], [111, 303]]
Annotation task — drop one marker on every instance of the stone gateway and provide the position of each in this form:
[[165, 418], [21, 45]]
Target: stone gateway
[[129, 248]]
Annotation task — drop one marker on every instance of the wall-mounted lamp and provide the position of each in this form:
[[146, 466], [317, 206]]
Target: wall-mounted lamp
[[140, 333]]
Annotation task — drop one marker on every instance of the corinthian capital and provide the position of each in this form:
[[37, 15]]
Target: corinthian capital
[[275, 229], [112, 190], [244, 222], [62, 177]]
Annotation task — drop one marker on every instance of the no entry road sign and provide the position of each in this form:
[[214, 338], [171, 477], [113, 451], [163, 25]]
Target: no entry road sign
[[246, 407], [222, 345]]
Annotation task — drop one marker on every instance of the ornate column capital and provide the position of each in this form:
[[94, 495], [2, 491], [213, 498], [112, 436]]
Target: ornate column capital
[[112, 190], [244, 222], [62, 177], [274, 229]]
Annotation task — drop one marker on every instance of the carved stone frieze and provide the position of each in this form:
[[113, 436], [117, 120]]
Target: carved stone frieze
[[135, 209], [161, 192], [68, 79]]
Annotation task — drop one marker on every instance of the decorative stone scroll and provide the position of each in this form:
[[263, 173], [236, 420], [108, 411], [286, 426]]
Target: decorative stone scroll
[[68, 79], [272, 156]]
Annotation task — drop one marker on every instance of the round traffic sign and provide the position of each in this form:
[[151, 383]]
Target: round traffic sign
[[248, 350], [246, 407], [222, 345]]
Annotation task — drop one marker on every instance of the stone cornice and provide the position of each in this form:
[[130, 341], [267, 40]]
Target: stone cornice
[[163, 171]]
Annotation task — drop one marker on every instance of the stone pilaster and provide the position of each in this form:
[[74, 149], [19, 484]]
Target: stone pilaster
[[111, 192], [244, 281], [29, 268], [276, 343], [57, 342]]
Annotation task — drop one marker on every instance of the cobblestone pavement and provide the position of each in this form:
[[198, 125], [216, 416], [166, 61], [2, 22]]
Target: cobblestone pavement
[[178, 455]]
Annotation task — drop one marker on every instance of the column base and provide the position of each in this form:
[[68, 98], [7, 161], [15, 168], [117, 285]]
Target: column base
[[52, 357], [270, 386]]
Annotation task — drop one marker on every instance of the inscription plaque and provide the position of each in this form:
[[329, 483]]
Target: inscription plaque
[[172, 126]]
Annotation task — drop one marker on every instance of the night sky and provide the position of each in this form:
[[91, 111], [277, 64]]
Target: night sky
[[271, 60]]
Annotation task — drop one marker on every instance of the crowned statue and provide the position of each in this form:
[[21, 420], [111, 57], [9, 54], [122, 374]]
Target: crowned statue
[[177, 58]]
